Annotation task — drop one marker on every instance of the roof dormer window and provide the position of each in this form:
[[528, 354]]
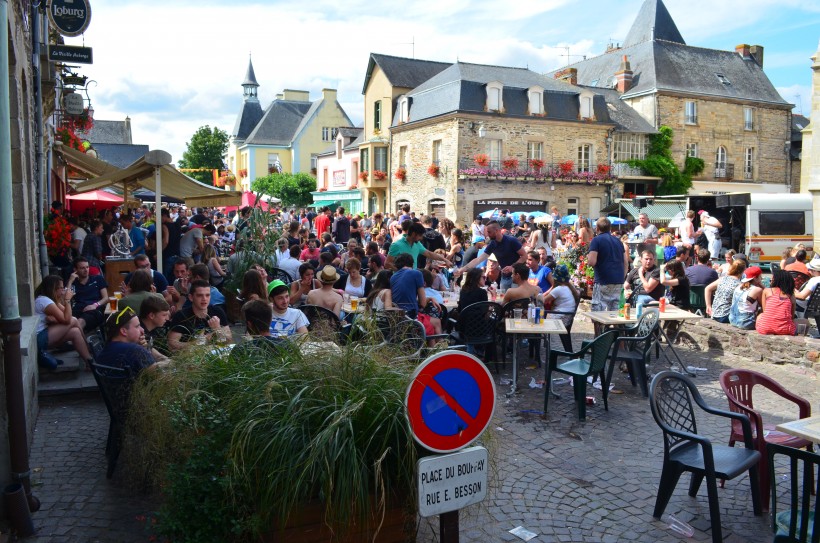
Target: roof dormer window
[[585, 109], [722, 78], [404, 109], [495, 93], [535, 98]]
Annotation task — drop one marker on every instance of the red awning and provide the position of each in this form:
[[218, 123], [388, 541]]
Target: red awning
[[249, 199]]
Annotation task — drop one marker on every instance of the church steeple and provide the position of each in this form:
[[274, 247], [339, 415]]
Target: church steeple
[[250, 85], [653, 23]]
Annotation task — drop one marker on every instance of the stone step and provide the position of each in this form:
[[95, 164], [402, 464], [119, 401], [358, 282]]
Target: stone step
[[69, 378]]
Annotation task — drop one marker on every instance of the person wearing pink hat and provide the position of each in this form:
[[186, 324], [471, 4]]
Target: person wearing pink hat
[[746, 299]]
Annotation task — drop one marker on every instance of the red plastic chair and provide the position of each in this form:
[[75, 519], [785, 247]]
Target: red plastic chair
[[739, 386]]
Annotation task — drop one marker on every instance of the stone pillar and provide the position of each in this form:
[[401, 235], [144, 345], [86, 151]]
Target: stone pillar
[[810, 168]]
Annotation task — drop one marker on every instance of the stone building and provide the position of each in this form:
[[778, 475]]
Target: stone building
[[476, 137], [720, 104], [338, 173], [810, 170]]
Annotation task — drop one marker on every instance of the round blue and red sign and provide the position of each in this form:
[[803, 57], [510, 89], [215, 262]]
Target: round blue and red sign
[[450, 401]]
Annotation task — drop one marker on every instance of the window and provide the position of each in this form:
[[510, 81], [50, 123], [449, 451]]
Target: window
[[572, 206], [585, 105], [723, 79], [535, 150], [328, 133], [720, 157], [380, 158], [364, 163], [692, 150], [748, 119], [782, 223], [437, 152], [377, 115], [629, 146], [339, 148], [494, 151], [748, 161], [313, 162], [273, 163], [584, 157], [404, 109], [403, 156], [636, 189], [691, 113], [535, 97], [495, 97]]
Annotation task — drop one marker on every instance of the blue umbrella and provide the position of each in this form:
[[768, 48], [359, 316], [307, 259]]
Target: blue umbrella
[[537, 214], [487, 214], [569, 219], [617, 220]]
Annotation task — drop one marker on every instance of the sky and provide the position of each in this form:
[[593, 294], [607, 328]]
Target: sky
[[173, 66]]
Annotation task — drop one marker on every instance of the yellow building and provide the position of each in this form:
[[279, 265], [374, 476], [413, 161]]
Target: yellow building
[[285, 137]]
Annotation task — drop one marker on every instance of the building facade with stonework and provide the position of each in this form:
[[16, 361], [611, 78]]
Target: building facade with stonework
[[476, 137], [720, 104], [337, 173]]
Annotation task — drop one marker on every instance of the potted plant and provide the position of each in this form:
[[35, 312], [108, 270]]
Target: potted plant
[[566, 168], [481, 160], [536, 164], [253, 445], [510, 164], [243, 173], [363, 176], [434, 170], [603, 170], [401, 174], [379, 175]]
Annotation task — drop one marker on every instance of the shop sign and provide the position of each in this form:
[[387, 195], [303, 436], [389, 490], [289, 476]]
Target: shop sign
[[70, 17], [71, 54]]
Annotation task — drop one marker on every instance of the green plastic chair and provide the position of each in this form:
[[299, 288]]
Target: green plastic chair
[[697, 299], [580, 368]]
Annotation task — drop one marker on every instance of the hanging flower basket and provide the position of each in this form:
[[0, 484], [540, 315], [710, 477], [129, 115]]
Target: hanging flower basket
[[401, 174], [58, 236], [379, 175], [603, 169], [481, 160], [434, 170], [363, 176], [536, 164], [566, 168], [243, 173], [510, 163]]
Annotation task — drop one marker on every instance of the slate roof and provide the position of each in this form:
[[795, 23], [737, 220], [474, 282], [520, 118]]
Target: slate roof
[[352, 133], [403, 72], [249, 116], [653, 23], [280, 123], [250, 76], [799, 122], [120, 155], [110, 132], [462, 87], [663, 62], [625, 117]]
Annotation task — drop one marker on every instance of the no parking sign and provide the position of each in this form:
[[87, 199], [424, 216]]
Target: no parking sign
[[450, 401]]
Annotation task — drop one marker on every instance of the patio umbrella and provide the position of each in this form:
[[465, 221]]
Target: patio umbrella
[[537, 214], [146, 195], [488, 214], [249, 199], [569, 219], [617, 220], [544, 219]]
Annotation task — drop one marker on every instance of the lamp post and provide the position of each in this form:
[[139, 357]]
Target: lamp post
[[158, 158]]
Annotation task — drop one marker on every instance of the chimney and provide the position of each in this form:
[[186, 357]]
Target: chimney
[[757, 53], [329, 95], [568, 75], [128, 130], [296, 95], [742, 50], [623, 77]]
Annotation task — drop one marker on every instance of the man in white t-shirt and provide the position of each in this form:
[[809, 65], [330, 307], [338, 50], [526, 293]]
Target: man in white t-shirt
[[78, 235], [287, 321]]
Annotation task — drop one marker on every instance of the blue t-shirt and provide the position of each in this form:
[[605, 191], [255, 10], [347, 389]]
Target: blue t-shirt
[[137, 240], [540, 278], [89, 293], [404, 286], [505, 251], [129, 356], [609, 269]]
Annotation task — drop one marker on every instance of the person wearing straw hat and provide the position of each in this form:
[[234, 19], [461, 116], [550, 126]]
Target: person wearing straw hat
[[326, 296]]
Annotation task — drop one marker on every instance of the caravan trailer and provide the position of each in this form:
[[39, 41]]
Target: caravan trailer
[[760, 225]]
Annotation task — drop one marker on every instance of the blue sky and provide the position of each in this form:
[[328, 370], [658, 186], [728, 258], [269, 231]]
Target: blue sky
[[175, 65]]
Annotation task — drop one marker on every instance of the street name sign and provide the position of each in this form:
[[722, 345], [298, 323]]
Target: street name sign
[[450, 401], [450, 482], [70, 53]]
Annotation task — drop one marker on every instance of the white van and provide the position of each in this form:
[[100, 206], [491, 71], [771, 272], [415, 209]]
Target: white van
[[760, 225]]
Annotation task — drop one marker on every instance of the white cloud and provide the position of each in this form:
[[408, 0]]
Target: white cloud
[[799, 95]]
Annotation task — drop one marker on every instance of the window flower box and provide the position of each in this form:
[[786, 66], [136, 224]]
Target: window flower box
[[510, 163], [379, 175], [401, 174], [434, 170], [481, 160], [536, 164], [363, 176]]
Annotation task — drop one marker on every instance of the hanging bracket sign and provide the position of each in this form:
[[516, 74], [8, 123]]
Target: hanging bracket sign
[[70, 17]]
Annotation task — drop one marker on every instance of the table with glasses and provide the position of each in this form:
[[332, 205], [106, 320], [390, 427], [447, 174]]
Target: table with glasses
[[672, 313], [522, 326], [808, 428]]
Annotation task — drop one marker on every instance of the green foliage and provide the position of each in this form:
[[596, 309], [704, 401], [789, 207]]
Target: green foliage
[[292, 188], [205, 150], [659, 163]]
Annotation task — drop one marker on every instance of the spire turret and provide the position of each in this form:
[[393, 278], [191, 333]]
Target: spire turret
[[250, 84]]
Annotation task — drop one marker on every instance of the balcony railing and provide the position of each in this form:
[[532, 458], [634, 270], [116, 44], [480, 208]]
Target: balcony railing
[[621, 169], [534, 170], [724, 171], [748, 174]]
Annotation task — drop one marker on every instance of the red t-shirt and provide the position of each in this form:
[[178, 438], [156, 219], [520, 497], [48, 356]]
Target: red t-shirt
[[322, 223]]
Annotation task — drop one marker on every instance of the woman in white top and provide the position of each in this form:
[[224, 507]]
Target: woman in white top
[[215, 271], [55, 324], [355, 284], [540, 237], [477, 229], [562, 296], [380, 296]]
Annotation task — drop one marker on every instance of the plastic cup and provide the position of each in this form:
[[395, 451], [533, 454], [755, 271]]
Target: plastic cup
[[112, 302], [354, 304], [117, 294]]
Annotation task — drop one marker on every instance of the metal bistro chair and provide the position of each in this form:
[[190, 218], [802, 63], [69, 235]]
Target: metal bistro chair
[[801, 522], [115, 387], [739, 386], [323, 322], [800, 279], [813, 307], [409, 336], [478, 325], [697, 299], [281, 275], [670, 399], [638, 341], [579, 368]]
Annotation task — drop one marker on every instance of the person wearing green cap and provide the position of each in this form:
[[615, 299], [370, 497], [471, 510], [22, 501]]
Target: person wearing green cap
[[286, 320]]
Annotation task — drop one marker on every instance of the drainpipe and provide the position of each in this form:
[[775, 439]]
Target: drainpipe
[[10, 322], [39, 172]]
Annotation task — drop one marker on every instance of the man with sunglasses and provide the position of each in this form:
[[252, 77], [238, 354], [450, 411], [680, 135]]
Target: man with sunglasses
[[124, 348], [200, 319]]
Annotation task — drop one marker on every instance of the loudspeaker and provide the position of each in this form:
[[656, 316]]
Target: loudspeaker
[[722, 200], [740, 199]]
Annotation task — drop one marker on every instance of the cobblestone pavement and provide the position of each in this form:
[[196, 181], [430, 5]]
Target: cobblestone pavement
[[562, 479]]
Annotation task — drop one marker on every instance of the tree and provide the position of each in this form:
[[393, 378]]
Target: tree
[[659, 163], [292, 188], [205, 150]]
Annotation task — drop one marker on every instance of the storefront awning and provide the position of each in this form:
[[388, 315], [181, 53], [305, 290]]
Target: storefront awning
[[85, 163], [323, 203], [658, 212]]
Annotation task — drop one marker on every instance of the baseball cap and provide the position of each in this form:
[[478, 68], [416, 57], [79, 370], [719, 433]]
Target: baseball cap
[[703, 212], [751, 273], [478, 239], [275, 287]]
